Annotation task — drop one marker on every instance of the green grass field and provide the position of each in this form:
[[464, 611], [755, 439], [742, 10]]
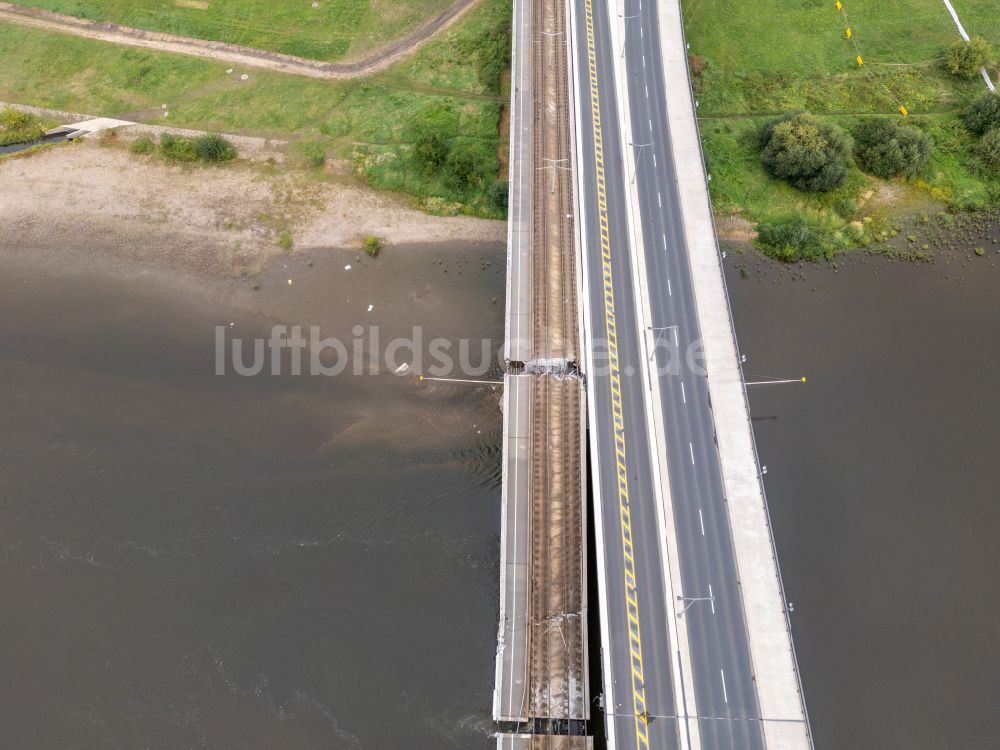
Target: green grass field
[[776, 55], [753, 60], [332, 30], [363, 120]]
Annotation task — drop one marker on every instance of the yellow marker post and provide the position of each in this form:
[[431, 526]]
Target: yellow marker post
[[903, 111], [859, 60], [849, 32], [839, 6]]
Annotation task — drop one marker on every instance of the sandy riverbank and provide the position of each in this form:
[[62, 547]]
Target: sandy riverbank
[[75, 201]]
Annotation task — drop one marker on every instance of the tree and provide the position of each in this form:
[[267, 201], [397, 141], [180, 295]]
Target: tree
[[809, 153], [887, 148], [965, 58], [984, 114]]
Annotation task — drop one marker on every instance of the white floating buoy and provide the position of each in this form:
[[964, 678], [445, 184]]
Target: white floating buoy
[[347, 267], [289, 282], [371, 307]]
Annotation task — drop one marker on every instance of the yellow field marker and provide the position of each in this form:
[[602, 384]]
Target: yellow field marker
[[849, 34]]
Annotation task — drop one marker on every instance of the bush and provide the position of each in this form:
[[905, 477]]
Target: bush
[[18, 127], [498, 193], [984, 114], [15, 119], [845, 208], [177, 149], [987, 155], [793, 239], [209, 148], [312, 153], [806, 151], [490, 48], [285, 241], [430, 149], [142, 146], [965, 58], [372, 244], [887, 148], [214, 148], [462, 167]]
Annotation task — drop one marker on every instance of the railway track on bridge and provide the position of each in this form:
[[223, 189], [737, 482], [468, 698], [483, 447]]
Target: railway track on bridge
[[554, 314], [557, 638], [542, 683]]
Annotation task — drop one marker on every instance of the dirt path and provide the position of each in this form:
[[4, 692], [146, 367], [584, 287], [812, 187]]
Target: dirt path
[[233, 53]]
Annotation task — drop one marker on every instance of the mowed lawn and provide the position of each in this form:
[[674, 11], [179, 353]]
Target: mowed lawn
[[332, 30], [776, 55]]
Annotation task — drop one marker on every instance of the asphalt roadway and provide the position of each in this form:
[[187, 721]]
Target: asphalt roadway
[[722, 681], [656, 683]]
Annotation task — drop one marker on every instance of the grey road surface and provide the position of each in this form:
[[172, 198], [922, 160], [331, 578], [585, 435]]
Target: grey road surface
[[722, 680], [723, 677], [653, 609]]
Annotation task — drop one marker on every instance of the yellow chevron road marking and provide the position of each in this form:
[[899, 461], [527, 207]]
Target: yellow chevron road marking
[[631, 596]]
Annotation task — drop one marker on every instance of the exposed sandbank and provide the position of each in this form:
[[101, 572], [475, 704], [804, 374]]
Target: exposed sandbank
[[76, 201]]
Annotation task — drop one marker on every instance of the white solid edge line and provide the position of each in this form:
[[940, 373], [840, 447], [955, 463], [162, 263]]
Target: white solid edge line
[[602, 573]]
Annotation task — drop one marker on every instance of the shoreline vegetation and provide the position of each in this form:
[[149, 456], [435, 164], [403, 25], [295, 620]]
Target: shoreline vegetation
[[753, 64], [428, 128]]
